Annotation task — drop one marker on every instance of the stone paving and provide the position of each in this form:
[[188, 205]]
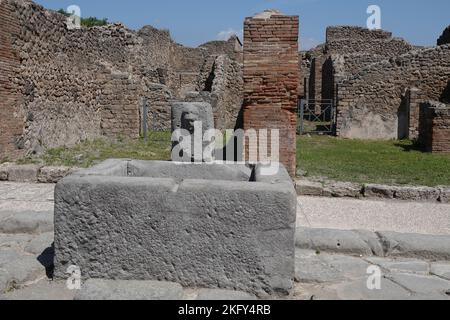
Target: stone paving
[[26, 225]]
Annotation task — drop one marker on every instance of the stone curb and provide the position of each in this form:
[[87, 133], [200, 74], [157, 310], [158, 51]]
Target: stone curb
[[379, 244], [33, 173], [371, 191]]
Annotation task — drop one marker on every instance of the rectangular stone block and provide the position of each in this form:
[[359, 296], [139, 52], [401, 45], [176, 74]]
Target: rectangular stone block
[[200, 225], [23, 173]]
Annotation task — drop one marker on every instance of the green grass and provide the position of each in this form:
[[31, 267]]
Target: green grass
[[387, 162], [89, 153]]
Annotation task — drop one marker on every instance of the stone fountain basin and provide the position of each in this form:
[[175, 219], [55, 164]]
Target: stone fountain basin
[[201, 225]]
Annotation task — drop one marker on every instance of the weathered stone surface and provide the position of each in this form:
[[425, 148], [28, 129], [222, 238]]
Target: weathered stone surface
[[309, 188], [217, 294], [441, 270], [417, 194], [199, 233], [339, 241], [416, 245], [23, 173], [40, 243], [358, 290], [406, 266], [53, 174], [17, 269], [421, 284], [95, 289], [379, 191], [343, 189], [43, 290], [309, 268], [4, 172], [322, 268], [27, 222], [14, 241]]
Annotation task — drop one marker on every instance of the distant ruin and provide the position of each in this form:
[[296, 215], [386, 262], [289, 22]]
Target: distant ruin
[[60, 86], [376, 81]]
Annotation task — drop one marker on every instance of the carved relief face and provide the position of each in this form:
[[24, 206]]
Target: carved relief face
[[188, 118]]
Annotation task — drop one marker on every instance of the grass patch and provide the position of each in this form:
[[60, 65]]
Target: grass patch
[[88, 153], [386, 162]]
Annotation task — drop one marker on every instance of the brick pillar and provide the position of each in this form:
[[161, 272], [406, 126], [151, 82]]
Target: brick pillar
[[434, 128], [271, 79], [11, 119]]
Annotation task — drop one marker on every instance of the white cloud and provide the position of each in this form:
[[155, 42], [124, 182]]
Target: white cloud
[[226, 34]]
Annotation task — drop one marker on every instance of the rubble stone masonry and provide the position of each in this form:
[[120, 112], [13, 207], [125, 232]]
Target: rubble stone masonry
[[60, 86], [370, 102], [271, 79]]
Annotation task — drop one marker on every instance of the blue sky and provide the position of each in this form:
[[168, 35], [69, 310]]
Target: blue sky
[[192, 22]]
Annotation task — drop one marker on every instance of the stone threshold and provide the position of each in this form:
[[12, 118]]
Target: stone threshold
[[374, 244], [33, 173], [327, 188]]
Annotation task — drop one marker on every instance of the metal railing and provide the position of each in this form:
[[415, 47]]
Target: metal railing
[[316, 116]]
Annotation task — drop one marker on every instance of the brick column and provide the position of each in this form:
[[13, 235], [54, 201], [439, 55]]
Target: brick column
[[11, 119], [271, 79], [434, 129]]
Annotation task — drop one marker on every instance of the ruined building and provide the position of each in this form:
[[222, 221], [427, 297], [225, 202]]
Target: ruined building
[[376, 81], [60, 86]]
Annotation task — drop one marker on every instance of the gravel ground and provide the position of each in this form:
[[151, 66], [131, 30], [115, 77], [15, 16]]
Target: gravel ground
[[378, 215]]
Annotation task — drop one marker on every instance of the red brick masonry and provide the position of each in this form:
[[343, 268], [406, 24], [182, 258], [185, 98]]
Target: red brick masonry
[[11, 119], [271, 80], [435, 127]]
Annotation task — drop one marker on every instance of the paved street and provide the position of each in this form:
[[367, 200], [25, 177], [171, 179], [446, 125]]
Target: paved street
[[26, 235]]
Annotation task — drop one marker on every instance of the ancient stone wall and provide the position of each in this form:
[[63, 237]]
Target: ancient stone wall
[[435, 127], [355, 48], [64, 86], [370, 102], [271, 79]]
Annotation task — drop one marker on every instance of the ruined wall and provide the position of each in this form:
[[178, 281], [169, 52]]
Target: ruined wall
[[435, 127], [64, 86], [354, 48], [370, 101], [271, 79], [225, 83], [11, 119]]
